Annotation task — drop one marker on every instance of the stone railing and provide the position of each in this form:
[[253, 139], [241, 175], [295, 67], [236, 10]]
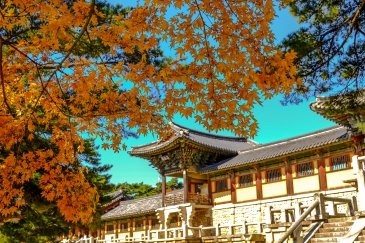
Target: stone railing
[[318, 207]]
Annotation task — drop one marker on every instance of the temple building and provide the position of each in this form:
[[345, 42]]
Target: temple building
[[238, 190]]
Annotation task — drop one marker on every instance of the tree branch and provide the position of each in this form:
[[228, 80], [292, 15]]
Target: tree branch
[[3, 81]]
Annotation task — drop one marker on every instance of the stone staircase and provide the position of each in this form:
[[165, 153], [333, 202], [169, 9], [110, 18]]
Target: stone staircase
[[361, 237], [334, 229]]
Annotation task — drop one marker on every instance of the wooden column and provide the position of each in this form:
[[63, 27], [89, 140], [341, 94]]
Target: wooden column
[[357, 142], [258, 183], [130, 228], [150, 222], [145, 223], [289, 178], [186, 185], [233, 187], [210, 194], [321, 172], [163, 182], [115, 228]]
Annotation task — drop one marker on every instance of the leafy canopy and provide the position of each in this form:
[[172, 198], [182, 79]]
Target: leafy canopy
[[330, 46], [40, 220], [80, 67]]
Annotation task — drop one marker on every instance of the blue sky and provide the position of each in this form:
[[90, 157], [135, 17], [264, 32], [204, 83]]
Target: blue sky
[[275, 122]]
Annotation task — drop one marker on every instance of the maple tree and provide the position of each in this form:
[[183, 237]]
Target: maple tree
[[40, 220], [70, 68]]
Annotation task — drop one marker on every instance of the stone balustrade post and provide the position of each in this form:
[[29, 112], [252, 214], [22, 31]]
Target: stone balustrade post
[[283, 215], [358, 169], [217, 230]]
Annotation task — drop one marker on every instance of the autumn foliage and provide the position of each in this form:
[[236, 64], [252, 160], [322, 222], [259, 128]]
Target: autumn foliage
[[75, 68]]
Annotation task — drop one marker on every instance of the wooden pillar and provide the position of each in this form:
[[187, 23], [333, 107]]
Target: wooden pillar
[[210, 195], [289, 178], [130, 228], [233, 187], [115, 228], [321, 172], [150, 222], [258, 183], [186, 185], [163, 178], [145, 223]]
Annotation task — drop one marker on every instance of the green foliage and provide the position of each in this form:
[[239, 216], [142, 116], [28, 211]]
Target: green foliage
[[139, 190], [330, 47], [40, 220]]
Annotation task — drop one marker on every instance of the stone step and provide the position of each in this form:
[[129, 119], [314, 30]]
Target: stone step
[[361, 238], [334, 229], [325, 239], [330, 234], [341, 219], [337, 224]]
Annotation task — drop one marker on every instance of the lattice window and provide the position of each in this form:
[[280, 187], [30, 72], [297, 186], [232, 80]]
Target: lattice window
[[155, 224], [340, 162], [246, 180], [221, 185], [110, 228], [305, 169], [273, 175], [139, 225], [124, 227]]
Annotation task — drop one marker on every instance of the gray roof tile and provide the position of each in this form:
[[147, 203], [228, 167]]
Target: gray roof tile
[[283, 147], [135, 207], [226, 143]]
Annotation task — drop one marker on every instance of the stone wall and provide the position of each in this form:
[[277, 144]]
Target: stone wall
[[257, 213]]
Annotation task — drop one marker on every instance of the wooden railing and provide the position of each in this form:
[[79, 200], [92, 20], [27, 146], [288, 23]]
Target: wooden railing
[[319, 206], [178, 198], [202, 199]]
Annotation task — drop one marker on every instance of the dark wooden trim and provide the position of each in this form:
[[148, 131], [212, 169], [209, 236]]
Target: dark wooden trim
[[289, 179], [339, 155], [239, 180], [322, 174], [186, 185], [297, 169], [274, 168], [233, 188], [210, 194], [258, 185], [163, 186], [223, 179]]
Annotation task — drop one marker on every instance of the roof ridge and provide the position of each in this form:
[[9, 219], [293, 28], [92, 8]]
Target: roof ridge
[[212, 135], [148, 197], [283, 141]]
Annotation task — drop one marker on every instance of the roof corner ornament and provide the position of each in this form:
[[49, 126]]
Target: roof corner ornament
[[357, 122]]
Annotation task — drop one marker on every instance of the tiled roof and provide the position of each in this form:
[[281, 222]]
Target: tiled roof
[[226, 143], [135, 207], [341, 108], [115, 196], [283, 147]]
